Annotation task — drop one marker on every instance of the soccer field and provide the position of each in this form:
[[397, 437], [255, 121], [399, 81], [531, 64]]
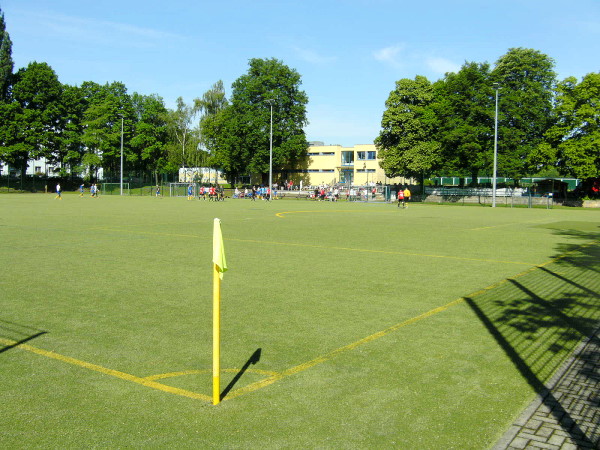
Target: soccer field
[[344, 325]]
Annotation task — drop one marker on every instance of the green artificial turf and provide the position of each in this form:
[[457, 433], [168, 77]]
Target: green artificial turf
[[368, 325]]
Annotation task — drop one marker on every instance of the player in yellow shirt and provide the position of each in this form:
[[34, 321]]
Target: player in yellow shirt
[[406, 197]]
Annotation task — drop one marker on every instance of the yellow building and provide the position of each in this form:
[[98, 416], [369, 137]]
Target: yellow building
[[358, 165]]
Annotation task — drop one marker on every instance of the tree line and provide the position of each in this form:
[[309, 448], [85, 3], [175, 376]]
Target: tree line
[[80, 128], [545, 127]]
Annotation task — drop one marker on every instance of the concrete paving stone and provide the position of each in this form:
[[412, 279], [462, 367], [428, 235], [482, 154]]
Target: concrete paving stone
[[541, 446], [584, 444], [556, 439], [533, 423], [519, 443], [545, 432], [567, 415], [532, 437], [568, 446]]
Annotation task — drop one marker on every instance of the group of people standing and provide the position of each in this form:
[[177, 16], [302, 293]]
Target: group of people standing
[[403, 197], [254, 192], [215, 194]]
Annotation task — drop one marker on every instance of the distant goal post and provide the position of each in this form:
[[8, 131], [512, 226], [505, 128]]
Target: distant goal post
[[115, 189], [181, 189]]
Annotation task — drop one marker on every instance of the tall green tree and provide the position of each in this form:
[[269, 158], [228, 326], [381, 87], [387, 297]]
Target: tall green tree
[[39, 112], [573, 142], [151, 133], [527, 79], [13, 149], [212, 101], [70, 149], [241, 132], [407, 142], [209, 106], [106, 105], [465, 109], [184, 141], [6, 62]]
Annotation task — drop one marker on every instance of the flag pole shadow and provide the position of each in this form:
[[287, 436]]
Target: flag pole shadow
[[254, 358]]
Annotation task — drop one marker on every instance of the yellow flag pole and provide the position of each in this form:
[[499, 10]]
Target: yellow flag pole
[[219, 266], [216, 336]]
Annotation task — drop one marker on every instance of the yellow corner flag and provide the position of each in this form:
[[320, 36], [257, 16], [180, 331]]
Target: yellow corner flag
[[218, 249], [219, 266]]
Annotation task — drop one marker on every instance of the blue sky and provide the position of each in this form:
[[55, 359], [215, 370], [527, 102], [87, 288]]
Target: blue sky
[[348, 52]]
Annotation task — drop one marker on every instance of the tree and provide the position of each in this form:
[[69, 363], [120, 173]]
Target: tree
[[184, 139], [240, 133], [212, 103], [106, 105], [574, 140], [151, 134], [38, 112], [12, 148], [465, 109], [527, 80], [406, 144], [70, 149], [6, 62]]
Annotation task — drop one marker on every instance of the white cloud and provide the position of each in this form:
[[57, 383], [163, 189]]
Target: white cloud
[[99, 31], [313, 57], [405, 58], [390, 55], [441, 65]]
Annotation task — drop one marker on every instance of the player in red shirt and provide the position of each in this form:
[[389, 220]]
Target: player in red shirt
[[400, 198]]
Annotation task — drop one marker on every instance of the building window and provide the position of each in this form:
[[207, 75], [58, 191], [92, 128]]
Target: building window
[[347, 158], [360, 156], [371, 155]]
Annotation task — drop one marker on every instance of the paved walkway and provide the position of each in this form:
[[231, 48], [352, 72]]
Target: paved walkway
[[567, 414]]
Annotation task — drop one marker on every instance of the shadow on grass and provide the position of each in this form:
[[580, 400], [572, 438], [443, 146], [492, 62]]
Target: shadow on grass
[[254, 358], [16, 333], [539, 318]]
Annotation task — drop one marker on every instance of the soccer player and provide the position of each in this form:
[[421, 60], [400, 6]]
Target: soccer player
[[400, 198], [58, 191], [190, 192], [81, 188], [406, 197]]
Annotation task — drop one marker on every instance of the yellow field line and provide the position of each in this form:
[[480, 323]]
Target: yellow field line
[[272, 376], [386, 252], [280, 214], [507, 225], [328, 356], [115, 373], [292, 244]]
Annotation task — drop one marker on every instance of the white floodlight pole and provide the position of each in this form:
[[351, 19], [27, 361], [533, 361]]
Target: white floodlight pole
[[121, 155], [496, 87], [270, 101]]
